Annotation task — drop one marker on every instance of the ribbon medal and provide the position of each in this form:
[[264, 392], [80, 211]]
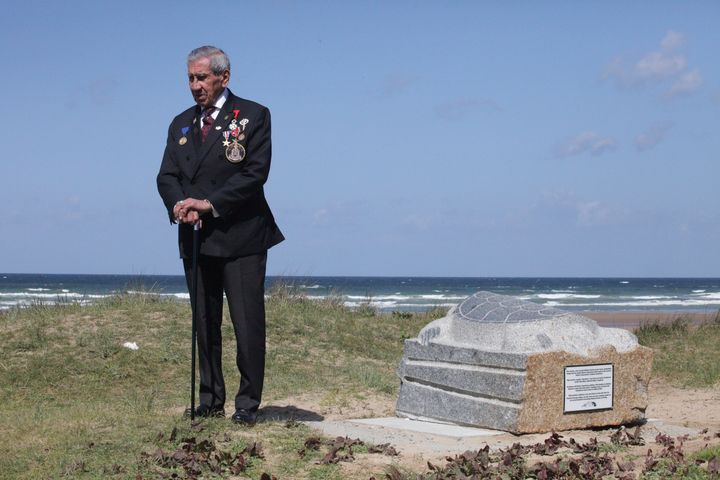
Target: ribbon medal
[[234, 151], [183, 139]]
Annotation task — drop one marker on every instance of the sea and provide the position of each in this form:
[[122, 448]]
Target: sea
[[388, 294]]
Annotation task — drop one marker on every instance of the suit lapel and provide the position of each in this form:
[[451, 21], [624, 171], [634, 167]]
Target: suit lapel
[[195, 134], [189, 150]]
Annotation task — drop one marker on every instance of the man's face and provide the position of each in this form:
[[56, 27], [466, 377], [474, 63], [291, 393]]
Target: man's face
[[205, 86]]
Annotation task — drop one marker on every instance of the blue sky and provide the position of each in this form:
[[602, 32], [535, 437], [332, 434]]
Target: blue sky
[[409, 138]]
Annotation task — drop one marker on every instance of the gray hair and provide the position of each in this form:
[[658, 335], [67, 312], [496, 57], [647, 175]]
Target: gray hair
[[219, 61]]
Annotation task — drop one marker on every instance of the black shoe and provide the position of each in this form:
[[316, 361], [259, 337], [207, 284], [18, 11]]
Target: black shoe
[[207, 411], [244, 417]]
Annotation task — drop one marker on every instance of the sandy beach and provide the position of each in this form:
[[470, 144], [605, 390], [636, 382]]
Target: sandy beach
[[632, 320]]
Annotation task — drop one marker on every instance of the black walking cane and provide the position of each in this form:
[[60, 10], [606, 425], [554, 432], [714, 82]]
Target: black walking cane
[[193, 303]]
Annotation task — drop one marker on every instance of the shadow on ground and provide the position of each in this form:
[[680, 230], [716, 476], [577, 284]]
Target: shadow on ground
[[276, 413]]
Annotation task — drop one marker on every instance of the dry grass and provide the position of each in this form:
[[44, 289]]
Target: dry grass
[[686, 355], [76, 404]]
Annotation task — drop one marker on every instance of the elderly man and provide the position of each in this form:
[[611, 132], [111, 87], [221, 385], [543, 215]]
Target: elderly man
[[215, 164]]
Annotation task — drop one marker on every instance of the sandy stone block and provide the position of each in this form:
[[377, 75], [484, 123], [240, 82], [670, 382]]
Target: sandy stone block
[[543, 395]]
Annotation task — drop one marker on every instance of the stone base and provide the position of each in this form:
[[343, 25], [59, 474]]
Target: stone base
[[514, 392]]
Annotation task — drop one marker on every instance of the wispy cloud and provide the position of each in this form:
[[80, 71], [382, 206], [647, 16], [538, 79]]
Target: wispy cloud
[[320, 217], [581, 212], [658, 66], [673, 40], [686, 84], [585, 142], [593, 213], [98, 92], [652, 136], [418, 221], [666, 66], [462, 107], [72, 200], [101, 90], [396, 84]]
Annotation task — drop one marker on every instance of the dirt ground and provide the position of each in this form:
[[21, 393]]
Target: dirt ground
[[672, 411], [694, 407]]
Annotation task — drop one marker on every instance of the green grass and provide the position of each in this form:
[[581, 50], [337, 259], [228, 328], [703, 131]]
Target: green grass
[[686, 355], [75, 404]]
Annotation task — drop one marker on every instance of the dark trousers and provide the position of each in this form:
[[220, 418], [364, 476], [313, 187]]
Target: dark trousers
[[243, 281]]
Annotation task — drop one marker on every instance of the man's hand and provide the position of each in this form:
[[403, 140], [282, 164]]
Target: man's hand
[[176, 211], [190, 209], [193, 218]]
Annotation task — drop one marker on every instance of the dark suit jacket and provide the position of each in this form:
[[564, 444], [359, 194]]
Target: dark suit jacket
[[192, 168]]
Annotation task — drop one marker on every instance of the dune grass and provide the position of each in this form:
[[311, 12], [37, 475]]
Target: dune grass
[[76, 404], [686, 355]]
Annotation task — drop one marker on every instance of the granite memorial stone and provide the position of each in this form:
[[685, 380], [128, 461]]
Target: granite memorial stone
[[500, 362]]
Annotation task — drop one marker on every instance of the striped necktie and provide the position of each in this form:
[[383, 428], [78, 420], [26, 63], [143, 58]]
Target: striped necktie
[[207, 122]]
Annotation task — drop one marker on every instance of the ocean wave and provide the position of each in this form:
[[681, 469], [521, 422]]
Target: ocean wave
[[402, 297], [181, 295], [139, 292], [38, 290], [10, 300], [442, 297], [392, 305], [26, 302], [647, 297], [559, 296], [698, 291], [376, 297], [709, 296], [648, 303], [42, 295]]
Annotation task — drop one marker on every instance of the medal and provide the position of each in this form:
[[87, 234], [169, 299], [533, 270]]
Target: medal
[[183, 139], [235, 153]]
